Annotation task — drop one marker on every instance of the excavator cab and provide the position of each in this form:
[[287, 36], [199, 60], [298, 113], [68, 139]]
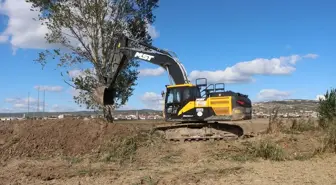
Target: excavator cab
[[180, 101], [205, 102]]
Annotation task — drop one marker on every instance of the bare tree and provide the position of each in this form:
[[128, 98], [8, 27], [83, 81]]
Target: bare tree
[[273, 122]]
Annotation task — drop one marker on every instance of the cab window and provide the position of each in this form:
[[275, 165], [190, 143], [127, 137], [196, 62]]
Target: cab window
[[187, 94], [174, 96]]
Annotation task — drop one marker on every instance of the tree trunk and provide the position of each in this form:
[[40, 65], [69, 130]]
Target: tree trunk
[[108, 113]]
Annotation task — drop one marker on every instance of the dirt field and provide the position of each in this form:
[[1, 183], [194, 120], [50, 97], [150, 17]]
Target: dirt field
[[93, 152]]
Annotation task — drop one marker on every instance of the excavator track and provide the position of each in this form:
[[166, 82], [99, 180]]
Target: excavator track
[[200, 131]]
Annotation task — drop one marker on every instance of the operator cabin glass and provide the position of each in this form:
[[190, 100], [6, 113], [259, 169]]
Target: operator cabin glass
[[174, 96], [177, 95]]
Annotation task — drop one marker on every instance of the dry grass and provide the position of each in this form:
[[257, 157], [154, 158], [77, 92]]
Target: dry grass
[[124, 149], [144, 157], [328, 140], [268, 150], [301, 125], [147, 180], [274, 122]]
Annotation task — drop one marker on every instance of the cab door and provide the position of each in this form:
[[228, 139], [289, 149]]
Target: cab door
[[172, 103]]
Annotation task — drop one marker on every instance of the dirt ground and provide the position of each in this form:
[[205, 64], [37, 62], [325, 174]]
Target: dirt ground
[[92, 152]]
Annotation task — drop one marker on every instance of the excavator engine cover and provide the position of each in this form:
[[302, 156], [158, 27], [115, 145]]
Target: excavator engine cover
[[104, 95]]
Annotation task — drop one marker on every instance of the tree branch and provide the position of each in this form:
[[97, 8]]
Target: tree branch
[[69, 84]]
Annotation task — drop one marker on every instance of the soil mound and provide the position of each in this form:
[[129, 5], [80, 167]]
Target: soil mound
[[46, 138]]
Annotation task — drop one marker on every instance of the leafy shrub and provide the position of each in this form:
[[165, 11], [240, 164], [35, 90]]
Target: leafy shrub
[[327, 109], [327, 120]]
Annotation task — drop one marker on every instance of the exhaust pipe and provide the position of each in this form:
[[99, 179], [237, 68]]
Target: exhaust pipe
[[104, 96]]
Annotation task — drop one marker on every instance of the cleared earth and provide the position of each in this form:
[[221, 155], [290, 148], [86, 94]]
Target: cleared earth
[[92, 152]]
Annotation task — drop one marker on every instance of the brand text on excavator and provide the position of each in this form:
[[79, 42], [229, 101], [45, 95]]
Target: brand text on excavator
[[143, 56]]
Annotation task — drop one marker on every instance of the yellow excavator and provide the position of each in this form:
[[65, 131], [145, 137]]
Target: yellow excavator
[[192, 111]]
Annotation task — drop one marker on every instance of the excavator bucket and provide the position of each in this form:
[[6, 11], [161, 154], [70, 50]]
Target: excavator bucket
[[104, 96]]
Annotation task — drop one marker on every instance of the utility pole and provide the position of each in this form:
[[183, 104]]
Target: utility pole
[[38, 99], [43, 101], [28, 106]]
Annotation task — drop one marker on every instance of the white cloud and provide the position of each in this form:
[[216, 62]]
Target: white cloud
[[273, 94], [310, 55], [74, 92], [75, 73], [21, 100], [80, 72], [6, 110], [126, 107], [21, 104], [152, 100], [319, 96], [49, 88], [3, 38], [59, 108], [152, 72], [23, 30], [244, 71], [152, 31]]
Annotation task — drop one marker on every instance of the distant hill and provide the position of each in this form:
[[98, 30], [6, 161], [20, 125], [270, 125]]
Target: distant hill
[[286, 101], [79, 113], [290, 105]]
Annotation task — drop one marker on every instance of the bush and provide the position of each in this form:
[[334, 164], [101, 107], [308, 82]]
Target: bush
[[268, 150], [274, 123], [330, 139], [328, 143], [265, 149], [327, 109], [124, 149], [302, 125], [327, 120]]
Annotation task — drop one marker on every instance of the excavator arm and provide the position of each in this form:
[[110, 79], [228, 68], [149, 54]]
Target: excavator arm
[[125, 52]]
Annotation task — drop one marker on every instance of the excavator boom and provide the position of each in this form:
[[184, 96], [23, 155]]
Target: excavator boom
[[125, 52]]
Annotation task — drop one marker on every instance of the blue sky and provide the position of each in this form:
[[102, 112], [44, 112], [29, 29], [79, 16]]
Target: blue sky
[[268, 50]]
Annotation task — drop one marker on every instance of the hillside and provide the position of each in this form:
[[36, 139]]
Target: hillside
[[287, 106]]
